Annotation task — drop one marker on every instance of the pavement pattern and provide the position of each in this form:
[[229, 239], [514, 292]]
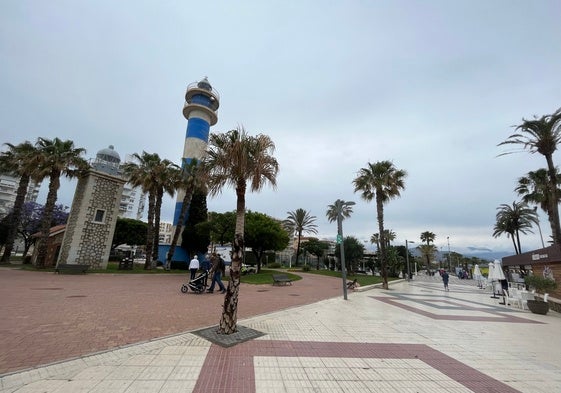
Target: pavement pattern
[[414, 337]]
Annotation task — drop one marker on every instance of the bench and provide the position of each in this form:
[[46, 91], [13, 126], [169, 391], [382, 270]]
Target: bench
[[126, 264], [69, 268], [281, 279]]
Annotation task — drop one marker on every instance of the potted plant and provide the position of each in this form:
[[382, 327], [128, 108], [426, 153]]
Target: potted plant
[[541, 285]]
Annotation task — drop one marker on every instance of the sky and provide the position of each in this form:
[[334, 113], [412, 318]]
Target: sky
[[433, 86]]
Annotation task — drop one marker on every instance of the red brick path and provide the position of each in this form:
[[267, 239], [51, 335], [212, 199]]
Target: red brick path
[[46, 317]]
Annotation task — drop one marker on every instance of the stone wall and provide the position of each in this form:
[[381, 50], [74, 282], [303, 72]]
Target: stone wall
[[86, 241]]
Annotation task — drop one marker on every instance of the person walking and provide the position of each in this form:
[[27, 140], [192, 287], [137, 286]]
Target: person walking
[[194, 266], [217, 270], [445, 278]]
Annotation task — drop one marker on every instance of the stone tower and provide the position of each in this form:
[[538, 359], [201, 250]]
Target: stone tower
[[93, 215]]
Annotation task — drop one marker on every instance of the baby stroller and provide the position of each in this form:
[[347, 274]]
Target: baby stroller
[[198, 284]]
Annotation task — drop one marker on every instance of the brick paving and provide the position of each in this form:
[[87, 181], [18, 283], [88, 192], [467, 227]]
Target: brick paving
[[414, 337], [48, 317]]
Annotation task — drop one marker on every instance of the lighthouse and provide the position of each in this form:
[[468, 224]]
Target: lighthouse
[[201, 104]]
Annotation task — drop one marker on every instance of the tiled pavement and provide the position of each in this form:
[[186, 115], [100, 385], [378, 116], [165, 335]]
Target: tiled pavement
[[412, 338]]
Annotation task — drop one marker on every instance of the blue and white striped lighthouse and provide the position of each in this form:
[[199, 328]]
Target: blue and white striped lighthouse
[[201, 104]]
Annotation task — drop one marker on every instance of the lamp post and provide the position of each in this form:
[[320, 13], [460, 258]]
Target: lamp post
[[407, 258], [538, 222], [449, 260]]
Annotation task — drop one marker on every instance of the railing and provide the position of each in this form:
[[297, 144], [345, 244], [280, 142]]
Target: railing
[[195, 85]]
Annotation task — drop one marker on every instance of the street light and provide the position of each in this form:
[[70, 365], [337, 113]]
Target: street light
[[407, 258], [449, 260]]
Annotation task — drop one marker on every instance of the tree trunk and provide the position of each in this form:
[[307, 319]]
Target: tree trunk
[[46, 220], [150, 232], [383, 256], [553, 202], [229, 319], [16, 217], [298, 246], [157, 210]]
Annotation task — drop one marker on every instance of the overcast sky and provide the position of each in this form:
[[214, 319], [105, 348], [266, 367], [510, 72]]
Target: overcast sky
[[433, 86]]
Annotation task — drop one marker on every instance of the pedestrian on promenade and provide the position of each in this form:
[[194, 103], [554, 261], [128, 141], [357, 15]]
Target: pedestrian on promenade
[[194, 266], [217, 270], [445, 278]]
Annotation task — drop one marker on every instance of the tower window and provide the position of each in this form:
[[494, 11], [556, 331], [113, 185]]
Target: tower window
[[99, 215]]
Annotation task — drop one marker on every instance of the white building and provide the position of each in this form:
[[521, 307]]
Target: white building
[[132, 201], [8, 192], [166, 232]]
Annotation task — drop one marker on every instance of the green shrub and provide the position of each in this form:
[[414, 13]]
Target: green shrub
[[274, 265], [540, 284], [306, 268]]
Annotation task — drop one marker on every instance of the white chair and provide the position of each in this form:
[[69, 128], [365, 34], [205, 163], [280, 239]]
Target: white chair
[[525, 296], [513, 298]]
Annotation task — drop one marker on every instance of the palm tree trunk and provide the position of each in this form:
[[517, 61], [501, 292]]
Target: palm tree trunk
[[383, 256], [16, 217], [298, 246], [553, 202], [46, 220], [229, 319], [179, 227], [517, 246], [157, 211], [150, 232]]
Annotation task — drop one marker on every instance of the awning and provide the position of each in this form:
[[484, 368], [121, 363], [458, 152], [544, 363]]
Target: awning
[[549, 254]]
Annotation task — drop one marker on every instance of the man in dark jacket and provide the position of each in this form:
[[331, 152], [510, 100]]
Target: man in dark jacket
[[217, 269]]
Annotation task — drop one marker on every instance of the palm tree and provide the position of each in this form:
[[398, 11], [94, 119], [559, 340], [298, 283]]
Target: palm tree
[[191, 178], [389, 236], [55, 158], [300, 221], [534, 189], [154, 176], [20, 161], [375, 239], [234, 159], [338, 211], [166, 174], [514, 220], [381, 181], [542, 135], [428, 237]]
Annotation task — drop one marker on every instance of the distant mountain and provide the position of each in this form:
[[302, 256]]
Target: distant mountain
[[487, 255]]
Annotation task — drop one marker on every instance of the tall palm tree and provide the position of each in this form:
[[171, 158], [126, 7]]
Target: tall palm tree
[[166, 174], [20, 161], [513, 220], [152, 174], [338, 211], [55, 158], [375, 239], [381, 181], [190, 179], [534, 189], [236, 159], [389, 236], [428, 237], [300, 221], [542, 135]]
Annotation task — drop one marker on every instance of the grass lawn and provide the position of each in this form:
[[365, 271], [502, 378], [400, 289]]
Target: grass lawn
[[362, 279], [264, 277]]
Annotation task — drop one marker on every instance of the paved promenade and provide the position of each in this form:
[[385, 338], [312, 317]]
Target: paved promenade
[[412, 338]]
